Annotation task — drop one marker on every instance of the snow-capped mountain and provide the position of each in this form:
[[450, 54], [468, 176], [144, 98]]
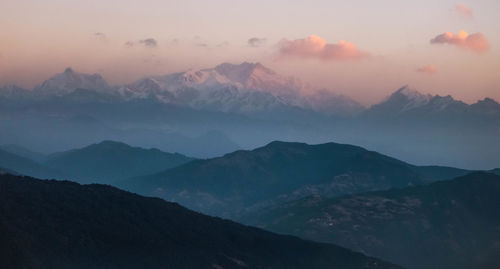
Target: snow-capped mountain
[[223, 85], [260, 78], [402, 100], [69, 80], [487, 106], [407, 100], [13, 91], [249, 89], [328, 103], [245, 88]]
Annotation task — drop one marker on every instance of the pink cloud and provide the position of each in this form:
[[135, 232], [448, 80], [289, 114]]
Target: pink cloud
[[464, 10], [316, 47], [476, 42], [428, 69]]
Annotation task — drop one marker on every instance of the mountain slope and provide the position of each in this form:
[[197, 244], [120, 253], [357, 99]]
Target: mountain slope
[[26, 166], [280, 170], [108, 161], [96, 226], [14, 92], [24, 152], [448, 224]]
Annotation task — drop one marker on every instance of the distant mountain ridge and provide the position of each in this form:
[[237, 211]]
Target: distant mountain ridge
[[24, 152], [281, 171], [103, 162], [69, 81], [109, 161], [26, 166], [407, 100]]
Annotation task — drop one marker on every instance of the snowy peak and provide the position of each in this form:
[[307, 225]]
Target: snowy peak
[[403, 99], [244, 72], [256, 76], [245, 76], [487, 106], [205, 78], [413, 97], [237, 73], [406, 99], [69, 80], [148, 84], [488, 102]]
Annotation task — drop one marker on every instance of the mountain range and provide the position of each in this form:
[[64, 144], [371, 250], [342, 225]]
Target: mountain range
[[209, 112], [447, 224], [61, 224], [281, 171], [415, 216], [110, 161], [409, 104], [247, 88], [103, 162]]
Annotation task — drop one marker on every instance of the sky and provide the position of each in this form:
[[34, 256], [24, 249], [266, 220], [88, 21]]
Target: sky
[[363, 49]]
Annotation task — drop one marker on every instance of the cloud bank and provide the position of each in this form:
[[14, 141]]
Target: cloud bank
[[317, 47], [476, 42]]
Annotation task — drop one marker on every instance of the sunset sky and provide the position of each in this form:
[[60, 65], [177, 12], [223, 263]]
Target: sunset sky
[[364, 49]]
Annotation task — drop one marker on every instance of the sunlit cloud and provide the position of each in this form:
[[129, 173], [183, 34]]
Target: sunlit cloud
[[428, 69], [464, 10], [317, 47], [256, 42], [476, 42]]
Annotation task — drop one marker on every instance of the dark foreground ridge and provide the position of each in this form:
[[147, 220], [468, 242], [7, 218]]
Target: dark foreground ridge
[[60, 224]]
